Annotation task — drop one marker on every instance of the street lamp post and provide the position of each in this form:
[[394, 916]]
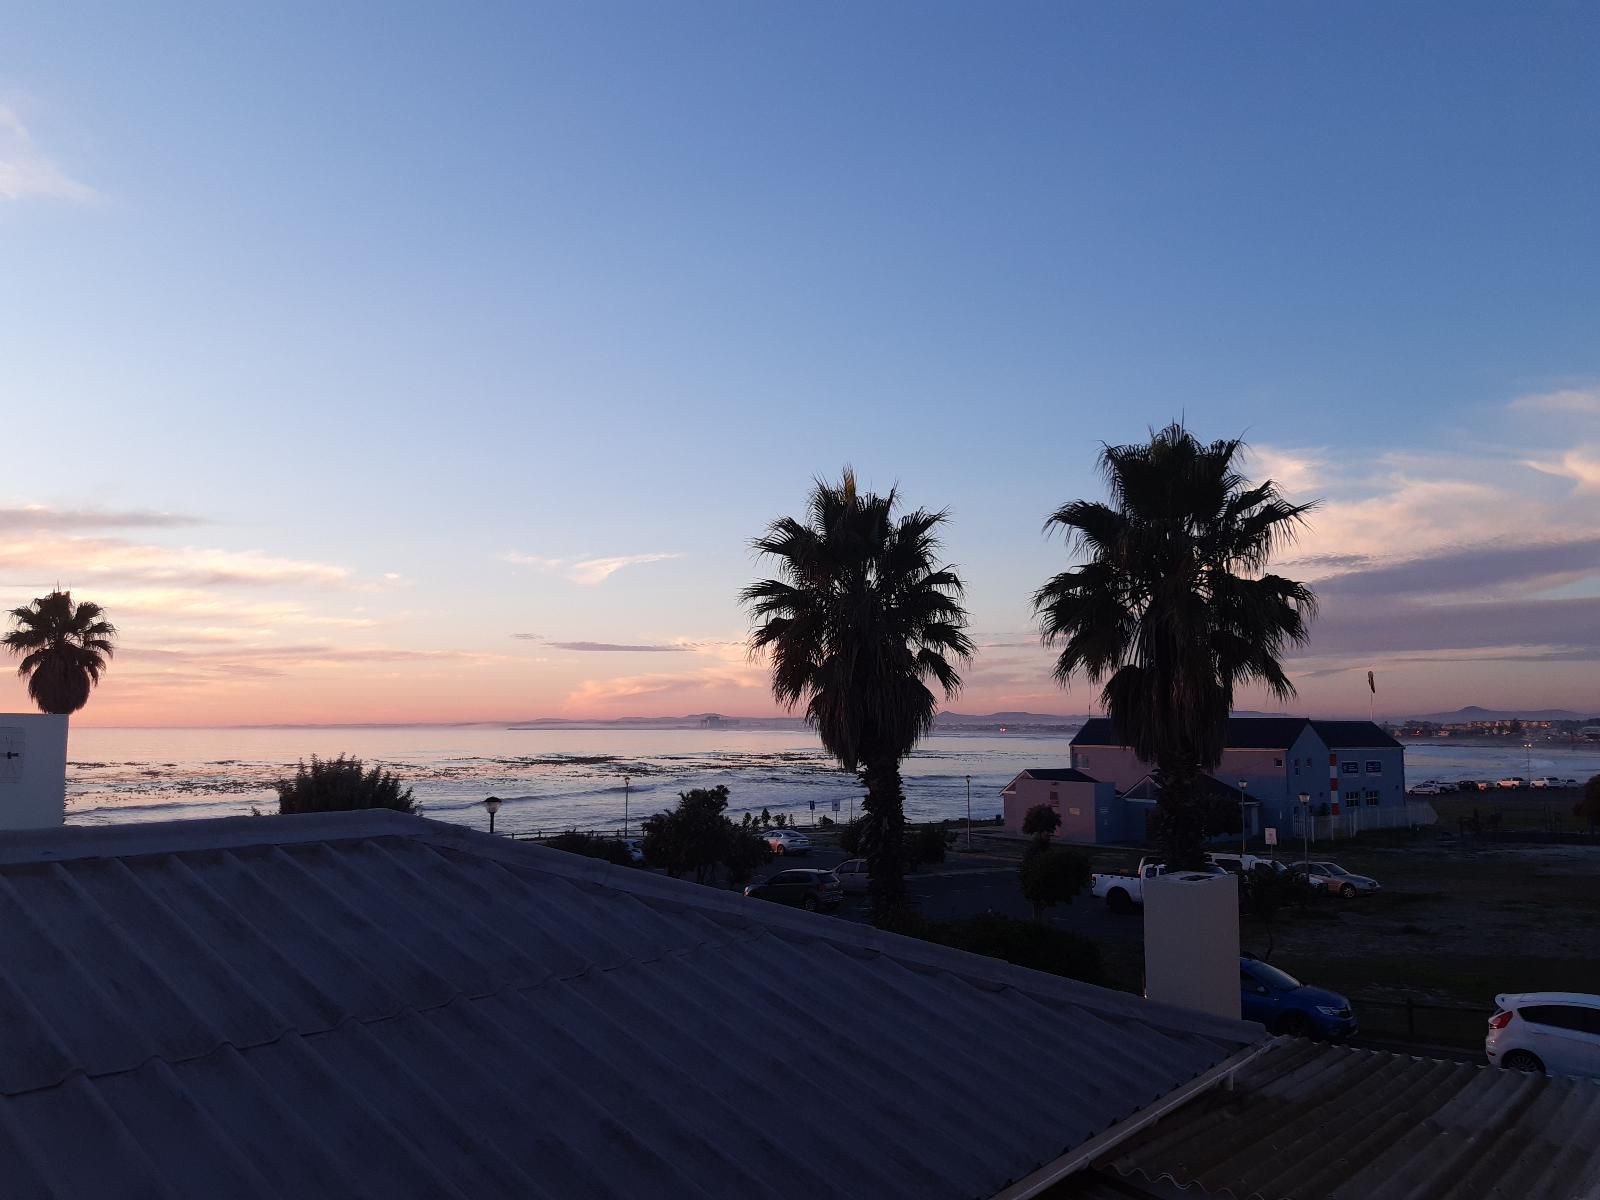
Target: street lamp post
[[1528, 746], [969, 812], [1243, 784], [1305, 827], [626, 784], [493, 805]]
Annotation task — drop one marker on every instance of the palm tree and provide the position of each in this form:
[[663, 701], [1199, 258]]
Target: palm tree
[[862, 625], [64, 648], [1173, 608]]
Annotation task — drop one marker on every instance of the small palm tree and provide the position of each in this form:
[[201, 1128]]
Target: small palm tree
[[863, 626], [64, 647], [1173, 608]]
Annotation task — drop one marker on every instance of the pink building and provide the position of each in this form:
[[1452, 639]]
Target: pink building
[[1087, 807]]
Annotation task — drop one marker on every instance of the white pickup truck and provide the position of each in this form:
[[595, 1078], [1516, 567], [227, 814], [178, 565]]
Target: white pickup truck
[[1124, 893]]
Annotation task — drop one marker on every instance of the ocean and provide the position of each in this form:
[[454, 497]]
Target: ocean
[[572, 778]]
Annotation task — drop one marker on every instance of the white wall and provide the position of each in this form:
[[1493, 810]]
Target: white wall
[[1191, 943], [33, 770]]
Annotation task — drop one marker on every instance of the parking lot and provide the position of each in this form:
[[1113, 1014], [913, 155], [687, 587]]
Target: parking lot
[[1457, 922]]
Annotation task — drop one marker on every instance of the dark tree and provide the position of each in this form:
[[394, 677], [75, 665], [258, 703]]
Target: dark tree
[[1040, 823], [1054, 876], [64, 647], [1173, 608], [1589, 806], [696, 837], [864, 625], [340, 785]]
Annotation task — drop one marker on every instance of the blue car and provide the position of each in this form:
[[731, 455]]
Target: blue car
[[1285, 1005]]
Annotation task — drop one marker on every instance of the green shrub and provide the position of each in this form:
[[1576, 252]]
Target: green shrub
[[1051, 877], [607, 849], [927, 844], [850, 837], [340, 785]]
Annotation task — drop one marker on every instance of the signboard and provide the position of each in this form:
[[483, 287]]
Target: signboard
[[813, 804], [1272, 836], [835, 806]]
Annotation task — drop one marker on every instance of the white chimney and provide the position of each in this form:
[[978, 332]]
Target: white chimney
[[33, 770], [1191, 942]]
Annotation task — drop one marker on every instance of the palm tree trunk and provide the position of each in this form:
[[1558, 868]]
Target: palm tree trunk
[[1181, 826], [883, 820]]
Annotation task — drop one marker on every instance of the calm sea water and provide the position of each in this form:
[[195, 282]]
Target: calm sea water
[[573, 778]]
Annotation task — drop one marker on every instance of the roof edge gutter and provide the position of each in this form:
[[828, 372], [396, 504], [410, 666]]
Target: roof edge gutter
[[1081, 1156]]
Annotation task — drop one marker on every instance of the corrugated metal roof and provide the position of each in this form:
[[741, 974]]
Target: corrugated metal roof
[[1312, 1122], [379, 1005], [1059, 775]]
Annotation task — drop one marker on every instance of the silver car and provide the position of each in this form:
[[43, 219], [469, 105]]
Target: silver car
[[852, 875], [787, 841], [1331, 877]]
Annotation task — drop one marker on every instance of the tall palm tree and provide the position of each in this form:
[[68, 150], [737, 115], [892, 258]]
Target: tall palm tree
[[64, 648], [865, 625], [1173, 608]]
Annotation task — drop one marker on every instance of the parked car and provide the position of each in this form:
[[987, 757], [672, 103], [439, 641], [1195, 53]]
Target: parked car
[[1553, 1032], [1569, 783], [1239, 864], [1512, 783], [852, 875], [1331, 877], [1124, 893], [1473, 785], [1285, 1005], [807, 889], [787, 841], [1427, 787]]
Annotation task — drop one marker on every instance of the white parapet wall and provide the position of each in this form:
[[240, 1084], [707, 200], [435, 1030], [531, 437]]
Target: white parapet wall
[[33, 770], [1191, 942]]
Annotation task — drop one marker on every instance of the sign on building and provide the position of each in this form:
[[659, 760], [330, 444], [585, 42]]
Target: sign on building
[[1272, 835]]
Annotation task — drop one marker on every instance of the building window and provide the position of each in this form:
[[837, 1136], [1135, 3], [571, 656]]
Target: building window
[[1277, 762], [1350, 768], [1374, 767], [1370, 797]]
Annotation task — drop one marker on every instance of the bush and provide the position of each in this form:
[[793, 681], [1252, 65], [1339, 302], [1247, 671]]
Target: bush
[[927, 844], [695, 836], [341, 786], [1041, 822], [850, 837], [1025, 943], [1052, 877], [607, 849]]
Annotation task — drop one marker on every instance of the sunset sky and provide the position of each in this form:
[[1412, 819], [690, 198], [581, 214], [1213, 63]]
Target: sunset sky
[[439, 364]]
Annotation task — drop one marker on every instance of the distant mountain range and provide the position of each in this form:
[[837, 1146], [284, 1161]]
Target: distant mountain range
[[945, 720], [1473, 713]]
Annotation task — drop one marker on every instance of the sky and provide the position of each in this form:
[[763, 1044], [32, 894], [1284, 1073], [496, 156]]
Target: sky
[[438, 363]]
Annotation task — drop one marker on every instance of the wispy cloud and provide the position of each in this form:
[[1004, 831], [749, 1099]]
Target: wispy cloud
[[1581, 465], [1570, 400], [587, 571], [42, 518], [74, 560], [25, 173], [618, 647]]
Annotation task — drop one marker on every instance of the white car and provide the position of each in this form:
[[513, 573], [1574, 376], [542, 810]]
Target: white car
[[787, 841], [1427, 788], [1512, 783], [852, 875], [1557, 1033], [1538, 782]]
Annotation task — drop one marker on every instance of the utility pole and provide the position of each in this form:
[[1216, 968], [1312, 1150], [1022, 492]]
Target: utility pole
[[969, 812], [626, 782], [1243, 828], [1305, 827]]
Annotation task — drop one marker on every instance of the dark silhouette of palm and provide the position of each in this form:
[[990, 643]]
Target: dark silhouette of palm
[[1173, 608], [64, 647], [864, 625]]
